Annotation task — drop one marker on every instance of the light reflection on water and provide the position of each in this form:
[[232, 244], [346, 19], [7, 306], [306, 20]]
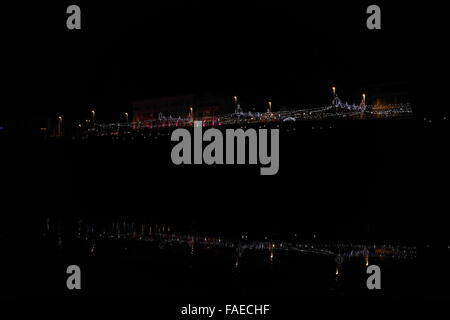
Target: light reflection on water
[[243, 261], [164, 238]]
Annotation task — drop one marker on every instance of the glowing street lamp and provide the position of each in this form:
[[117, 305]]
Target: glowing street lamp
[[59, 126], [126, 116], [235, 104], [93, 115], [334, 92], [364, 98], [270, 106]]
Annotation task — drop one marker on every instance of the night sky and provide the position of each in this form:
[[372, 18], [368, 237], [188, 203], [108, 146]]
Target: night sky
[[383, 180], [291, 54]]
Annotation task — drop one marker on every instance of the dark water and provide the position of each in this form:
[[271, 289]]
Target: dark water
[[124, 268], [365, 181]]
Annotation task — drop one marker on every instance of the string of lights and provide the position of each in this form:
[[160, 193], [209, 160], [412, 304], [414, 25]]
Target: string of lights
[[164, 236], [337, 110]]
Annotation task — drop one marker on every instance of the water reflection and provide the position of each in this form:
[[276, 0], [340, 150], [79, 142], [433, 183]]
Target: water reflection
[[332, 262], [164, 236]]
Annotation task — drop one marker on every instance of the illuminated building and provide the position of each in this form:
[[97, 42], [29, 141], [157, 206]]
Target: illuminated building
[[198, 107]]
